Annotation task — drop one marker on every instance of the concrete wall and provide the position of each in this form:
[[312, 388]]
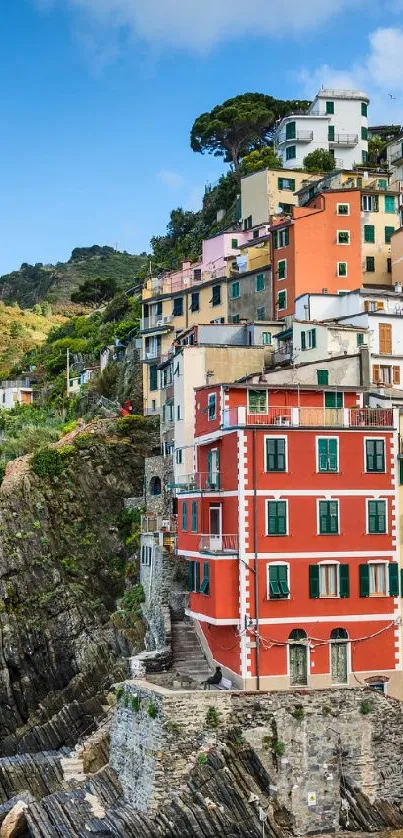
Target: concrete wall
[[304, 741], [397, 256], [247, 305], [342, 371]]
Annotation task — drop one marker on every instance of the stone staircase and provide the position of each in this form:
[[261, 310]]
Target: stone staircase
[[188, 655]]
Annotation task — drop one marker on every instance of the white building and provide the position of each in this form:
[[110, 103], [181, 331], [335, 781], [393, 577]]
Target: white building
[[15, 392], [337, 121], [378, 313], [394, 156]]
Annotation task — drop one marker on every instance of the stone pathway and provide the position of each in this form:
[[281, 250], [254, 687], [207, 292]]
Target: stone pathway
[[188, 655]]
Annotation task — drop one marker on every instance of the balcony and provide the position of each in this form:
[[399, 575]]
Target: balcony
[[316, 417], [198, 482], [346, 140], [159, 523], [283, 355], [300, 137], [156, 321], [152, 355], [219, 543]]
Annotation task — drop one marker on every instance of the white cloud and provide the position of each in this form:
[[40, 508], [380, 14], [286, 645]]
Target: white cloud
[[174, 180], [379, 75], [197, 26]]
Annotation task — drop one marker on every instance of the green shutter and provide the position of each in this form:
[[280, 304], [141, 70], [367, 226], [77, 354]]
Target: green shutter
[[322, 454], [197, 577], [401, 472], [277, 518], [401, 581], [328, 517], [333, 444], [364, 580], [369, 233], [364, 109], [313, 338], [364, 133], [375, 455], [389, 203], [393, 579], [280, 183], [184, 516], [194, 516], [333, 400], [191, 575], [322, 376], [153, 377], [274, 586], [314, 581], [344, 581], [303, 340], [275, 454], [205, 585], [388, 233], [330, 133], [290, 131], [376, 516], [283, 580]]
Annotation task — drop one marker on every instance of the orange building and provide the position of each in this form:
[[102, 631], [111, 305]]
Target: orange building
[[289, 528]]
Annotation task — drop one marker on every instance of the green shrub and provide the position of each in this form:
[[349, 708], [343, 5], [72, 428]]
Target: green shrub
[[152, 710], [128, 425], [298, 712], [133, 598], [119, 692], [278, 748], [212, 717], [326, 710], [69, 427], [365, 707], [136, 703], [47, 462], [202, 759]]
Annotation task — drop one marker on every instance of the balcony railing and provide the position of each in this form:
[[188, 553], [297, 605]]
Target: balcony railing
[[159, 523], [344, 139], [150, 355], [199, 482], [296, 417], [156, 321], [300, 137], [219, 543]]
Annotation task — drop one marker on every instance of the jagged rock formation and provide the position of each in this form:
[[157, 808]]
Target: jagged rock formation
[[62, 563]]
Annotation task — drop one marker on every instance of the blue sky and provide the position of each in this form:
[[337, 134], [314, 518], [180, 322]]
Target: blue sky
[[98, 98]]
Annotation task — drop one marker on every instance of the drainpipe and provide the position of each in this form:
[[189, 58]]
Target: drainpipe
[[256, 564]]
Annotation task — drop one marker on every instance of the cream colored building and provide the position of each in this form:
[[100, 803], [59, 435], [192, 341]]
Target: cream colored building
[[271, 192], [397, 258]]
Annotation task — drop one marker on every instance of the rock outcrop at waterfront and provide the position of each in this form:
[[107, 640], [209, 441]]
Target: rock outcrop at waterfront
[[62, 566]]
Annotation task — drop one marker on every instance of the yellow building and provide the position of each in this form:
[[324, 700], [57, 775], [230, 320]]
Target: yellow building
[[270, 192], [397, 257]]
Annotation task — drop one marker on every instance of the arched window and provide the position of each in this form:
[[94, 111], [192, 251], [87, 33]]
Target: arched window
[[298, 658], [155, 486], [339, 655]]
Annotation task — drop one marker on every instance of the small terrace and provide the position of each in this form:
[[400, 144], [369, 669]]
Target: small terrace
[[199, 482], [156, 321], [159, 523], [317, 417], [345, 140], [220, 543]]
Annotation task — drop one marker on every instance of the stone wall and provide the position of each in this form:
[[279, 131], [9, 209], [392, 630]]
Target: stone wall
[[309, 744], [162, 468]]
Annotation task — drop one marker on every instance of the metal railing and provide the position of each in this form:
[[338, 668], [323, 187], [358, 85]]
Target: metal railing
[[159, 523], [220, 543], [300, 136], [311, 417], [344, 139], [199, 482], [156, 321], [150, 355]]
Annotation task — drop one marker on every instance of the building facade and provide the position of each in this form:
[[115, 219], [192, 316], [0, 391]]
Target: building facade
[[292, 541], [337, 121]]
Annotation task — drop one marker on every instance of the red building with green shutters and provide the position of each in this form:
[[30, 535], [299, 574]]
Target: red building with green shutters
[[289, 527]]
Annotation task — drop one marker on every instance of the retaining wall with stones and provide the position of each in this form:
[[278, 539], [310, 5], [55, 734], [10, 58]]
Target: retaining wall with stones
[[307, 743]]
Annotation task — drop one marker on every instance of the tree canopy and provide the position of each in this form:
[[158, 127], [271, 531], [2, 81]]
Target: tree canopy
[[240, 125], [319, 160], [262, 158], [95, 291]]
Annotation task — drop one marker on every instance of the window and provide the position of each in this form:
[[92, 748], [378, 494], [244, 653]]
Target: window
[[247, 223], [370, 264], [261, 313], [211, 411], [374, 455], [257, 401], [256, 234], [216, 298], [376, 516], [184, 515], [379, 579], [205, 585], [146, 555], [364, 109], [266, 338], [322, 376], [298, 656], [339, 656], [276, 454], [282, 300], [330, 107], [342, 269], [308, 339], [213, 469], [286, 183], [291, 152], [281, 238], [389, 265], [194, 577], [236, 318], [285, 207], [282, 269], [328, 454], [343, 237], [369, 203], [343, 209], [364, 133], [153, 377], [277, 581], [388, 234], [195, 304], [382, 184], [177, 310], [369, 233], [260, 283], [330, 133], [276, 517], [235, 291], [329, 580], [334, 401], [360, 339], [364, 155], [194, 516], [328, 517], [385, 338], [390, 203], [178, 456], [178, 412], [234, 244], [290, 131]]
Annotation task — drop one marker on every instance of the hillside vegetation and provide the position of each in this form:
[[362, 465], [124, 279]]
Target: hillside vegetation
[[33, 284], [22, 332]]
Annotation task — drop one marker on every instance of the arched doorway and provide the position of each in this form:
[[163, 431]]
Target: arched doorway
[[339, 656], [155, 486], [298, 651]]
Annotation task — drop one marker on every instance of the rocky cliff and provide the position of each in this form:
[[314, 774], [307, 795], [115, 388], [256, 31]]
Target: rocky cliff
[[62, 566]]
